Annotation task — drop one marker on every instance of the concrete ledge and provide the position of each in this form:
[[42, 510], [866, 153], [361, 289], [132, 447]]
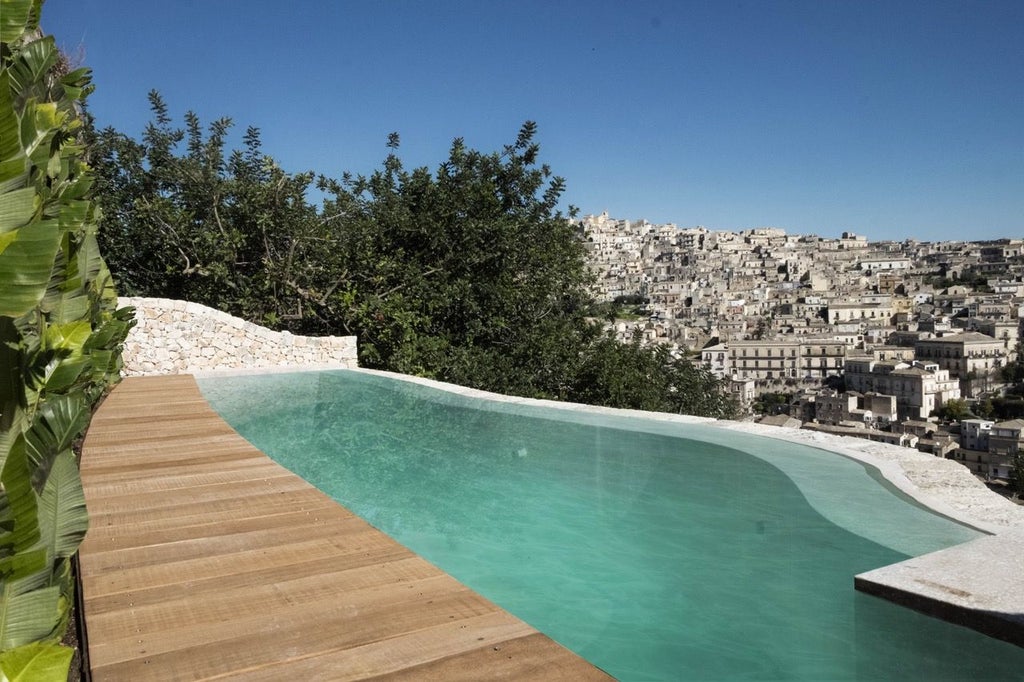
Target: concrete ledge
[[979, 585], [178, 337]]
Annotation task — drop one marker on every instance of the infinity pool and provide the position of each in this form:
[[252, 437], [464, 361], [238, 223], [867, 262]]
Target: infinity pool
[[657, 550]]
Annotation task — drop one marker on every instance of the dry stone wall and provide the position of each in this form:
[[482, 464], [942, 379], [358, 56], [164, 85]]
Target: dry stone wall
[[178, 337]]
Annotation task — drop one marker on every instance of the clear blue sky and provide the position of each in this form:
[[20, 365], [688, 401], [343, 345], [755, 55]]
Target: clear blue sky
[[890, 119]]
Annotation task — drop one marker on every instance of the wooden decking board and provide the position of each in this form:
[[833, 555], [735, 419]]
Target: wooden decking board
[[291, 657], [402, 657], [115, 469], [375, 588], [295, 500], [192, 516], [201, 494], [185, 443], [206, 560], [212, 571], [505, 662], [364, 544], [174, 531], [162, 481], [299, 567], [155, 549]]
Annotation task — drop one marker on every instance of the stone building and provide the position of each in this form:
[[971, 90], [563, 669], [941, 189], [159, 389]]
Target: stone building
[[971, 357], [919, 388], [988, 448]]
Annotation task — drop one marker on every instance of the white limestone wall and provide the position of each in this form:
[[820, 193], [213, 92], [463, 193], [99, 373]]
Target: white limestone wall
[[178, 337]]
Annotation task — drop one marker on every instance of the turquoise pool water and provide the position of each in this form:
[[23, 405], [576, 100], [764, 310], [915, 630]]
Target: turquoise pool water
[[658, 551]]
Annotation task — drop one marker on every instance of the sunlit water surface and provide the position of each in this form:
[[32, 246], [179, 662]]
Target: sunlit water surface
[[658, 551]]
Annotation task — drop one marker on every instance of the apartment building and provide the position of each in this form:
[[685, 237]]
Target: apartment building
[[971, 357], [764, 360], [988, 448], [919, 388], [858, 312], [821, 358], [1005, 441]]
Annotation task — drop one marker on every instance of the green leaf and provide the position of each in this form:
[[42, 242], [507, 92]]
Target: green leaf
[[90, 262], [10, 140], [7, 436], [68, 360], [13, 19], [31, 65], [13, 173], [63, 519], [28, 617], [39, 121], [36, 662], [17, 567], [66, 298], [20, 530], [25, 267], [56, 425], [61, 373], [74, 214], [111, 333], [12, 390], [17, 208]]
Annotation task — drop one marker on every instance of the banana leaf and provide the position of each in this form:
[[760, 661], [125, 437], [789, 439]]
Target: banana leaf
[[14, 18], [28, 617], [63, 519], [56, 425], [37, 662], [17, 208], [19, 529], [25, 267]]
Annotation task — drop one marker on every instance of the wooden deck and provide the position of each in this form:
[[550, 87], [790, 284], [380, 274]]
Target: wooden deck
[[206, 560]]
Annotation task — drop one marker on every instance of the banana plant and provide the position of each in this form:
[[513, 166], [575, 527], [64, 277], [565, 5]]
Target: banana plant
[[60, 340]]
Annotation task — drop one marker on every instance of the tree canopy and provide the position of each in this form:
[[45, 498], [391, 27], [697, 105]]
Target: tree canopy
[[468, 273]]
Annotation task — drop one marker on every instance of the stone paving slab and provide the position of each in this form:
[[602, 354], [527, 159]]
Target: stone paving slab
[[979, 584]]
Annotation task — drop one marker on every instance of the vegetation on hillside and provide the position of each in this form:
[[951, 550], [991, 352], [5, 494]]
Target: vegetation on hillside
[[468, 273], [59, 341]]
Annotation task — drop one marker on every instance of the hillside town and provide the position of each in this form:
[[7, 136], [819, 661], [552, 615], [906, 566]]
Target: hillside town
[[911, 343]]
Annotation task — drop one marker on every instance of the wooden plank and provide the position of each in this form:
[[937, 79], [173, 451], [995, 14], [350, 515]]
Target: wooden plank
[[205, 559]]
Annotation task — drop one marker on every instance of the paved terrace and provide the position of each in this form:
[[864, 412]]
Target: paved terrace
[[206, 560]]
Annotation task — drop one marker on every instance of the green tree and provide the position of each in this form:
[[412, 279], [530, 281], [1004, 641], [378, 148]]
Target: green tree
[[630, 375], [986, 409], [186, 219], [762, 329], [1013, 372], [468, 273], [954, 410], [772, 403]]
